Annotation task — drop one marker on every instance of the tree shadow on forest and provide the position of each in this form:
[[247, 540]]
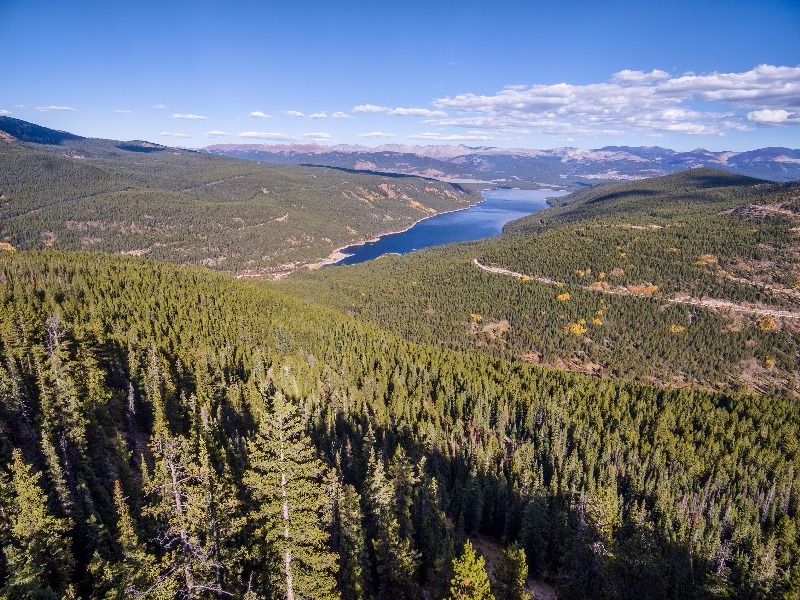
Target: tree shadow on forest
[[135, 147], [368, 172], [34, 134], [622, 195], [568, 540]]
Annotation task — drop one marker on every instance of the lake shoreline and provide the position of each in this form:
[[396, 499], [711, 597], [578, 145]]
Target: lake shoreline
[[340, 254]]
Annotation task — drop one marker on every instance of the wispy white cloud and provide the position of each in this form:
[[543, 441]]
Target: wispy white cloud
[[175, 134], [217, 133], [189, 117], [259, 114], [376, 134], [122, 111], [159, 106], [399, 112], [265, 135], [368, 108], [4, 112], [19, 106], [284, 137], [322, 114], [444, 137], [628, 76], [635, 100], [319, 137], [773, 117], [55, 108], [416, 112], [765, 86]]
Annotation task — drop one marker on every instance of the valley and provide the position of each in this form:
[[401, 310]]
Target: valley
[[673, 279], [601, 400], [380, 301], [481, 220]]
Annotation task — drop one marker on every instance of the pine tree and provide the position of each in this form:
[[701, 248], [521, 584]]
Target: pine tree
[[352, 546], [395, 561], [405, 480], [6, 511], [285, 480], [792, 591], [510, 574], [589, 544], [470, 581], [535, 527], [434, 540], [216, 504], [180, 504], [136, 574], [39, 557], [639, 562], [472, 503]]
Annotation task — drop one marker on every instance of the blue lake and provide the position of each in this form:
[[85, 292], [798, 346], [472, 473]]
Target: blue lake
[[483, 220]]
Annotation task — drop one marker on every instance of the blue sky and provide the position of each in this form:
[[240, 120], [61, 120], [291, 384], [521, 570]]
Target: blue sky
[[532, 74]]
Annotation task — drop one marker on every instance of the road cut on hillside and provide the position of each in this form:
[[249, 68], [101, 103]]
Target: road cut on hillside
[[707, 302]]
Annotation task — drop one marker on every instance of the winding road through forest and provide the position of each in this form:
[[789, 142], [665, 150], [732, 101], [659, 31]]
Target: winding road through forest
[[707, 302]]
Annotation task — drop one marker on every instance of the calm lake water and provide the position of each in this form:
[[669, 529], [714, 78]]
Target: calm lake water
[[476, 222]]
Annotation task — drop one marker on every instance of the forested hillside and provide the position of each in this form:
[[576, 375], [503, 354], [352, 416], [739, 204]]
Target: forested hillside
[[159, 423], [64, 192], [687, 279], [171, 432]]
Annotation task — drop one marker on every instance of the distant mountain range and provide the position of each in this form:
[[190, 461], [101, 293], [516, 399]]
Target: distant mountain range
[[520, 167]]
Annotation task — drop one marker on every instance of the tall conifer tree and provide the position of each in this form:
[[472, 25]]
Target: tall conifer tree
[[510, 574], [395, 561], [38, 552], [470, 581], [286, 481], [179, 501], [352, 546], [136, 574]]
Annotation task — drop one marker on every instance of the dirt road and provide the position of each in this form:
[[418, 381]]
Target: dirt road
[[707, 302]]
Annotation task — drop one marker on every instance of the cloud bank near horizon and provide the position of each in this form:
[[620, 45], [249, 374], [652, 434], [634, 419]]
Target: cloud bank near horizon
[[658, 102], [762, 102]]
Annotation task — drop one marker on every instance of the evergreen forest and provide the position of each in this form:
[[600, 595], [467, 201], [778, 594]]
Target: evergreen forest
[[603, 400], [691, 278], [159, 423]]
